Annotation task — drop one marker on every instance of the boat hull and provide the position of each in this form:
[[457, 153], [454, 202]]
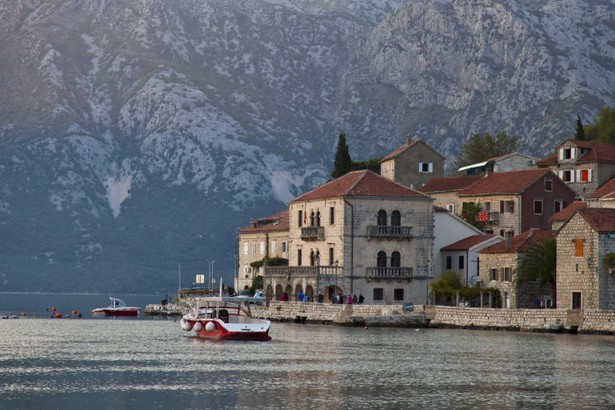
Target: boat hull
[[217, 330]]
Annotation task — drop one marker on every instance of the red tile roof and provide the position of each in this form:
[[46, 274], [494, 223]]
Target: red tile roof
[[511, 182], [449, 184], [605, 191], [602, 220], [362, 183], [597, 152], [520, 243], [273, 223], [468, 243], [567, 212], [405, 147]]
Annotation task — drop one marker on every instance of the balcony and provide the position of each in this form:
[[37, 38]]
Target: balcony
[[313, 233], [390, 273], [389, 232], [309, 272]]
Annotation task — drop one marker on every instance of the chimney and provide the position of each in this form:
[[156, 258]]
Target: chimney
[[507, 238], [408, 139]]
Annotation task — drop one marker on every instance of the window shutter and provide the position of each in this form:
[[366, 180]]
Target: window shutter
[[501, 207], [430, 167], [573, 153], [561, 154], [589, 175], [578, 175]]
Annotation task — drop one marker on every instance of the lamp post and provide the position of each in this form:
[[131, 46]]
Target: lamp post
[[211, 275]]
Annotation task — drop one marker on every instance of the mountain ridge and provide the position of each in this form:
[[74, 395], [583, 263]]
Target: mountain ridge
[[139, 136]]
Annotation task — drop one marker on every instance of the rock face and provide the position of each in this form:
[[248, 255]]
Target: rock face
[[137, 137]]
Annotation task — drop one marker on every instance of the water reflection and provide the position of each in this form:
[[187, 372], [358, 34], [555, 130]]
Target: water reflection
[[154, 364]]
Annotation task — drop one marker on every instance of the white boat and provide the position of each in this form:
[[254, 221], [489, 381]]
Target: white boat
[[225, 317], [117, 308]]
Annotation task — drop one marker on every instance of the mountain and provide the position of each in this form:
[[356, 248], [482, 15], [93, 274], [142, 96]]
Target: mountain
[[137, 137]]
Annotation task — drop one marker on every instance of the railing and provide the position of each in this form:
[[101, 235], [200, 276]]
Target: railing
[[389, 273], [313, 233], [487, 216], [290, 272], [389, 232]]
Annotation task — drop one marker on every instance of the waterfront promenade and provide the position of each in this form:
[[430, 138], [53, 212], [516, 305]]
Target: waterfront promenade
[[423, 316], [531, 320]]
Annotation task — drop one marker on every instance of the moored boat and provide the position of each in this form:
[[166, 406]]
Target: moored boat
[[117, 308], [225, 318]]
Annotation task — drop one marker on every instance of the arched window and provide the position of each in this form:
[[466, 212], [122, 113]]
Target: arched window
[[381, 259], [395, 218], [395, 260], [317, 218], [382, 218]]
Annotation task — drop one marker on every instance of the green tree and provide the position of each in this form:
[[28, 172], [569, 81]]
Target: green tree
[[482, 147], [539, 265], [469, 212], [371, 164], [580, 132], [342, 164], [604, 128], [448, 285]]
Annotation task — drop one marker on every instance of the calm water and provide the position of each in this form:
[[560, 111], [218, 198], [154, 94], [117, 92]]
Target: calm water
[[126, 364]]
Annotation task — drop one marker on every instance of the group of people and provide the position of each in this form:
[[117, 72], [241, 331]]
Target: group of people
[[351, 299], [335, 299]]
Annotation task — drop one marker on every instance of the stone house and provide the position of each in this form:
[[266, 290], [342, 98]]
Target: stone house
[[413, 164], [358, 234], [508, 162], [560, 218], [583, 165], [516, 201], [463, 256], [585, 256], [264, 238], [498, 266], [444, 190]]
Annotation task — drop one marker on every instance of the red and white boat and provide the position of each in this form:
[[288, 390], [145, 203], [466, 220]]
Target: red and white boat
[[117, 308], [225, 318]]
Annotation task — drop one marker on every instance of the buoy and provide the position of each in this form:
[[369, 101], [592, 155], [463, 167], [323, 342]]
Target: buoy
[[210, 326], [187, 326], [75, 313], [23, 313], [53, 309], [198, 326], [58, 315]]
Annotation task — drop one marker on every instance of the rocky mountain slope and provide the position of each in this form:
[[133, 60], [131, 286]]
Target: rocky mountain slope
[[138, 135]]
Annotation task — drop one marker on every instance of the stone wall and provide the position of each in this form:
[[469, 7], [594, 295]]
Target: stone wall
[[533, 320]]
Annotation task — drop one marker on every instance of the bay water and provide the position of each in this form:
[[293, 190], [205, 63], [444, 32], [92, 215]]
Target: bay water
[[94, 363]]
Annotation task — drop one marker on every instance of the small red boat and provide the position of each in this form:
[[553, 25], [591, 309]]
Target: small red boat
[[117, 308], [225, 318]]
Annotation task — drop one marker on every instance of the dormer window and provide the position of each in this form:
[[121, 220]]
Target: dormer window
[[426, 167], [567, 153]]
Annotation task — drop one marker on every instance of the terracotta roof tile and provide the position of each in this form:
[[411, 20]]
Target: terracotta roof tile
[[511, 182], [468, 242], [448, 184], [604, 191], [362, 183], [597, 152], [273, 223], [600, 219], [520, 243], [567, 212]]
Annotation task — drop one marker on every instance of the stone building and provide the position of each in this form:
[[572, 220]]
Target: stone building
[[583, 165], [515, 201], [359, 234], [585, 257], [264, 238], [498, 266], [503, 163], [413, 164], [445, 190]]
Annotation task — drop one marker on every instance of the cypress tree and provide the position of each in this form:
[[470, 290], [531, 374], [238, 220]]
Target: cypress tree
[[580, 134], [342, 164]]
